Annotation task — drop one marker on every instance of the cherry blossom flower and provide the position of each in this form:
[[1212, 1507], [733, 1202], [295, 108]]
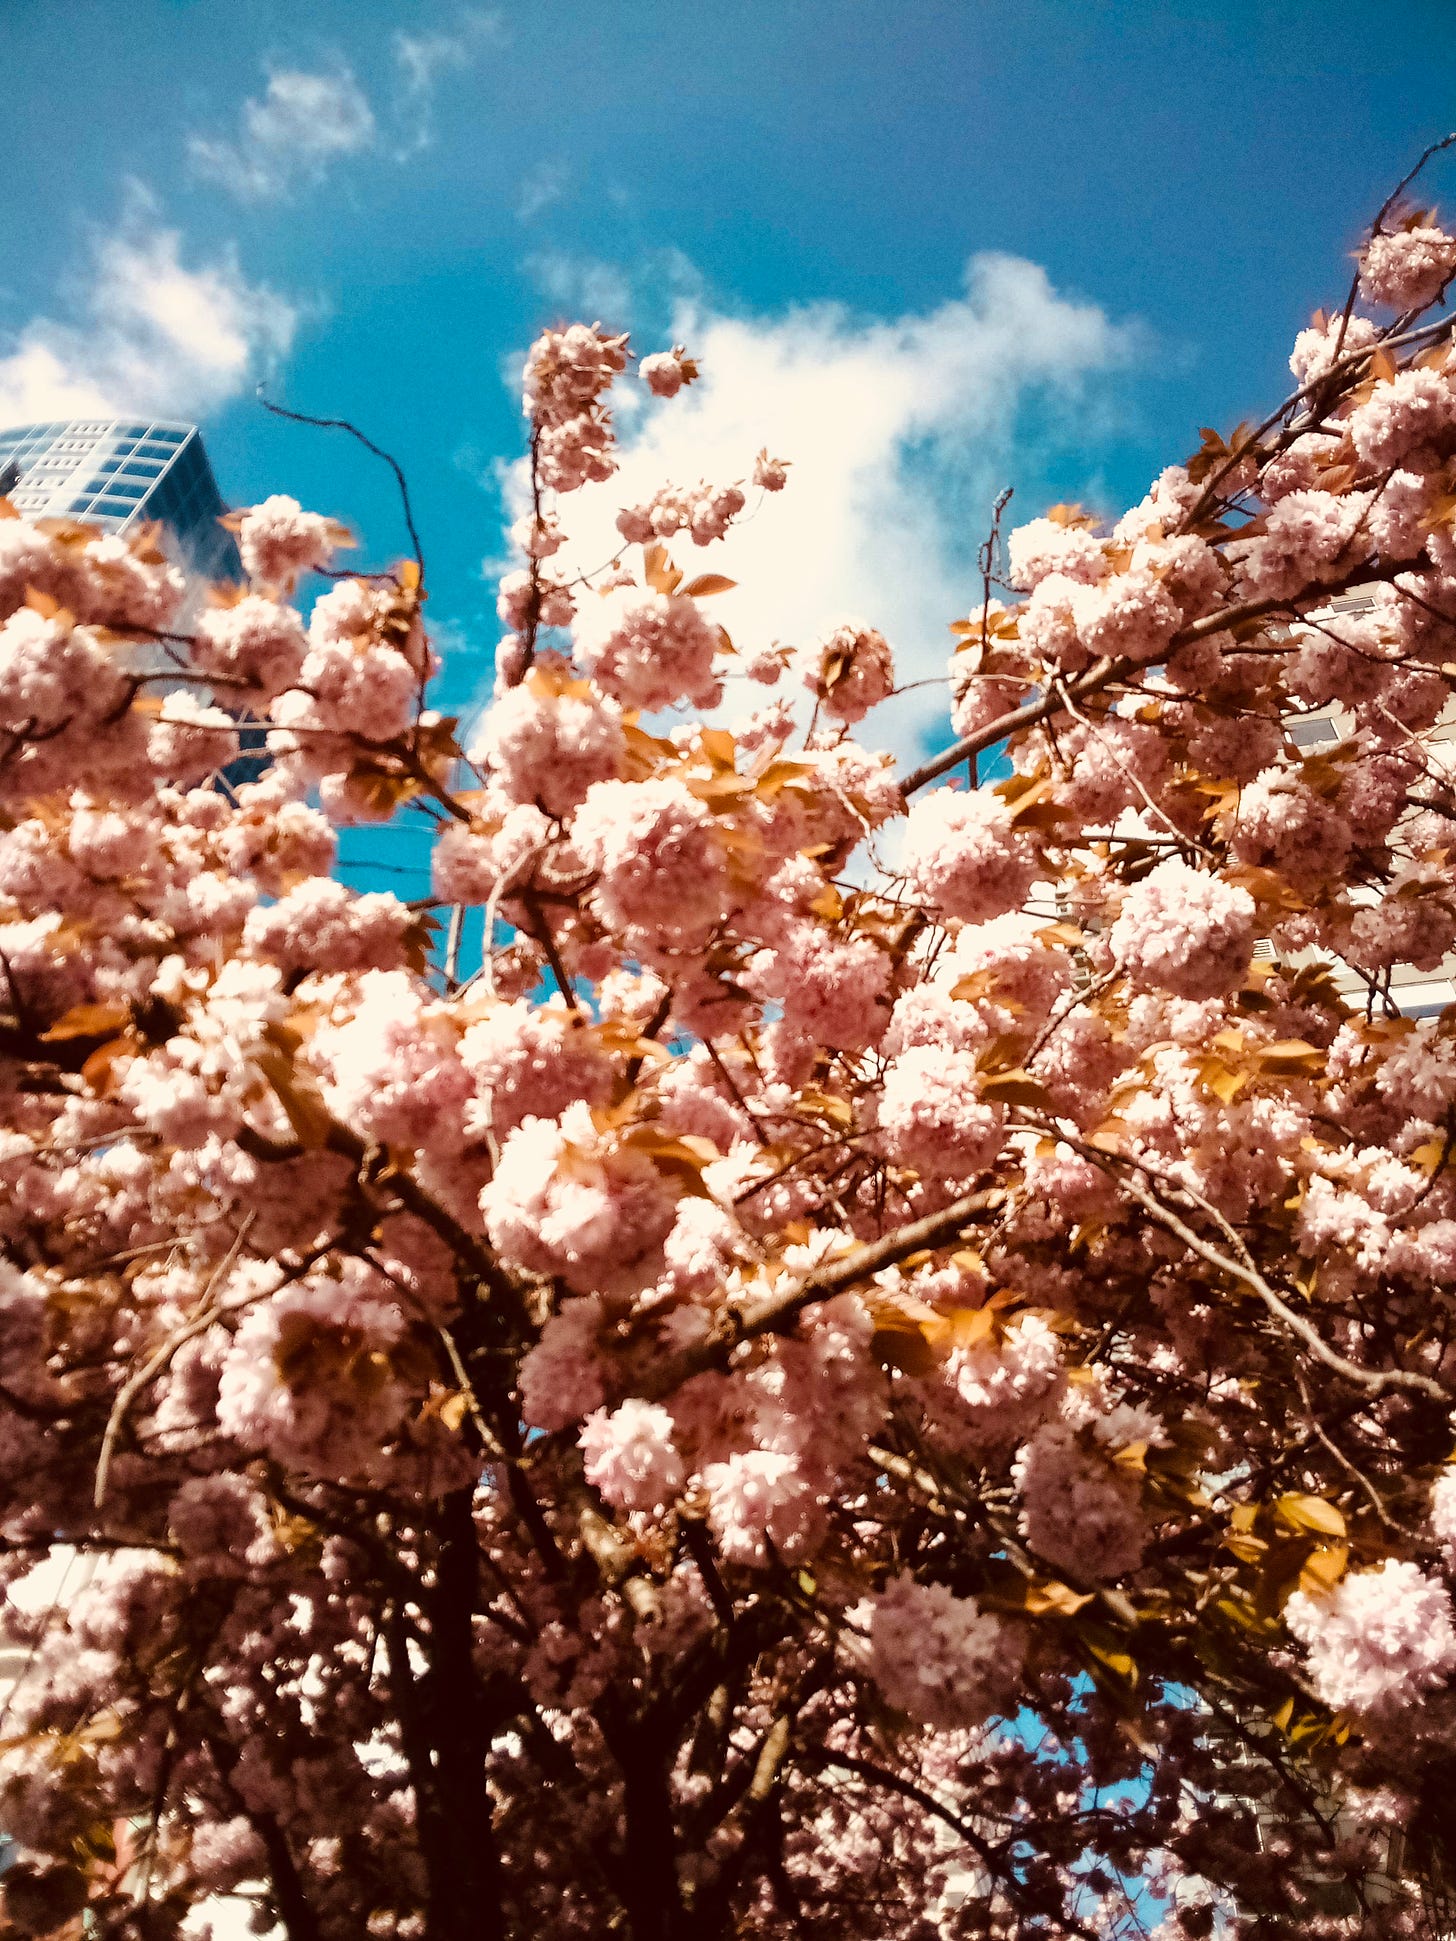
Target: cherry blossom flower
[[938, 1657], [667, 372], [279, 541], [1407, 268], [964, 855], [656, 853], [630, 1456], [1379, 1641], [648, 650], [1183, 931], [1081, 1511], [850, 672]]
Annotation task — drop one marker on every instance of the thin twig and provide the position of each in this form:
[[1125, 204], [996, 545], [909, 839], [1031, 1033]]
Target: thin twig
[[1376, 1380], [1446, 141], [160, 1356], [343, 424], [452, 944]]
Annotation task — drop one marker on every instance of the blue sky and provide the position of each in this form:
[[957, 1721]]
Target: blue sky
[[375, 205]]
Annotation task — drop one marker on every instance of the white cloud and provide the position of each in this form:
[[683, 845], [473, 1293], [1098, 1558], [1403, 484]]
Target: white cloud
[[303, 124], [600, 292], [900, 432], [148, 334], [423, 58], [540, 187]]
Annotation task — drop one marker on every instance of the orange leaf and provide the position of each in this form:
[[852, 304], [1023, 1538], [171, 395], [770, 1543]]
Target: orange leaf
[[1016, 1087], [911, 1353], [96, 1072], [1297, 1512], [1053, 1595], [87, 1021], [1066, 934], [1071, 516], [307, 1113], [1323, 1569], [662, 575], [1291, 1057], [1223, 1083], [719, 746], [824, 1105], [453, 1409], [962, 1327], [974, 986]]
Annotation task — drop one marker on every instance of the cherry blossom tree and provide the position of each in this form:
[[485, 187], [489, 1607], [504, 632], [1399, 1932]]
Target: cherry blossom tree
[[875, 1367]]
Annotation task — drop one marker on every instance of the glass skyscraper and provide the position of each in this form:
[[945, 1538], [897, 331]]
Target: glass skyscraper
[[119, 473]]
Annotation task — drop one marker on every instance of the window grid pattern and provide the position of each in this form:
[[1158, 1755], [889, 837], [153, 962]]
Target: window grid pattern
[[117, 473]]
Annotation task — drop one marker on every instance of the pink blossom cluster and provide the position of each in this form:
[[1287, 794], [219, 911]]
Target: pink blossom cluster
[[528, 599], [255, 643], [1380, 1641], [629, 1454], [1184, 931], [1068, 624], [567, 372], [279, 541], [938, 1657], [1082, 1509], [530, 1061], [933, 1115], [850, 672], [1409, 267], [1043, 547], [704, 512], [1284, 824], [1329, 340], [393, 1066], [658, 864], [569, 1199], [770, 474], [100, 579], [1307, 536], [667, 371], [648, 650], [994, 1392], [548, 741], [1413, 412], [963, 854]]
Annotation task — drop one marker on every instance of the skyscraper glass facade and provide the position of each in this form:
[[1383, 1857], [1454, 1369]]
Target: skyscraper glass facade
[[119, 473]]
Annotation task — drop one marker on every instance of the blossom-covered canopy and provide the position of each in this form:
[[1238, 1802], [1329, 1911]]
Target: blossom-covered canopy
[[882, 1364]]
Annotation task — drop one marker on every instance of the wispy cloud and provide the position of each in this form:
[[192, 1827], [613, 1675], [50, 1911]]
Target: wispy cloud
[[146, 333], [540, 187], [306, 120], [900, 431], [290, 137], [597, 291], [421, 58]]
